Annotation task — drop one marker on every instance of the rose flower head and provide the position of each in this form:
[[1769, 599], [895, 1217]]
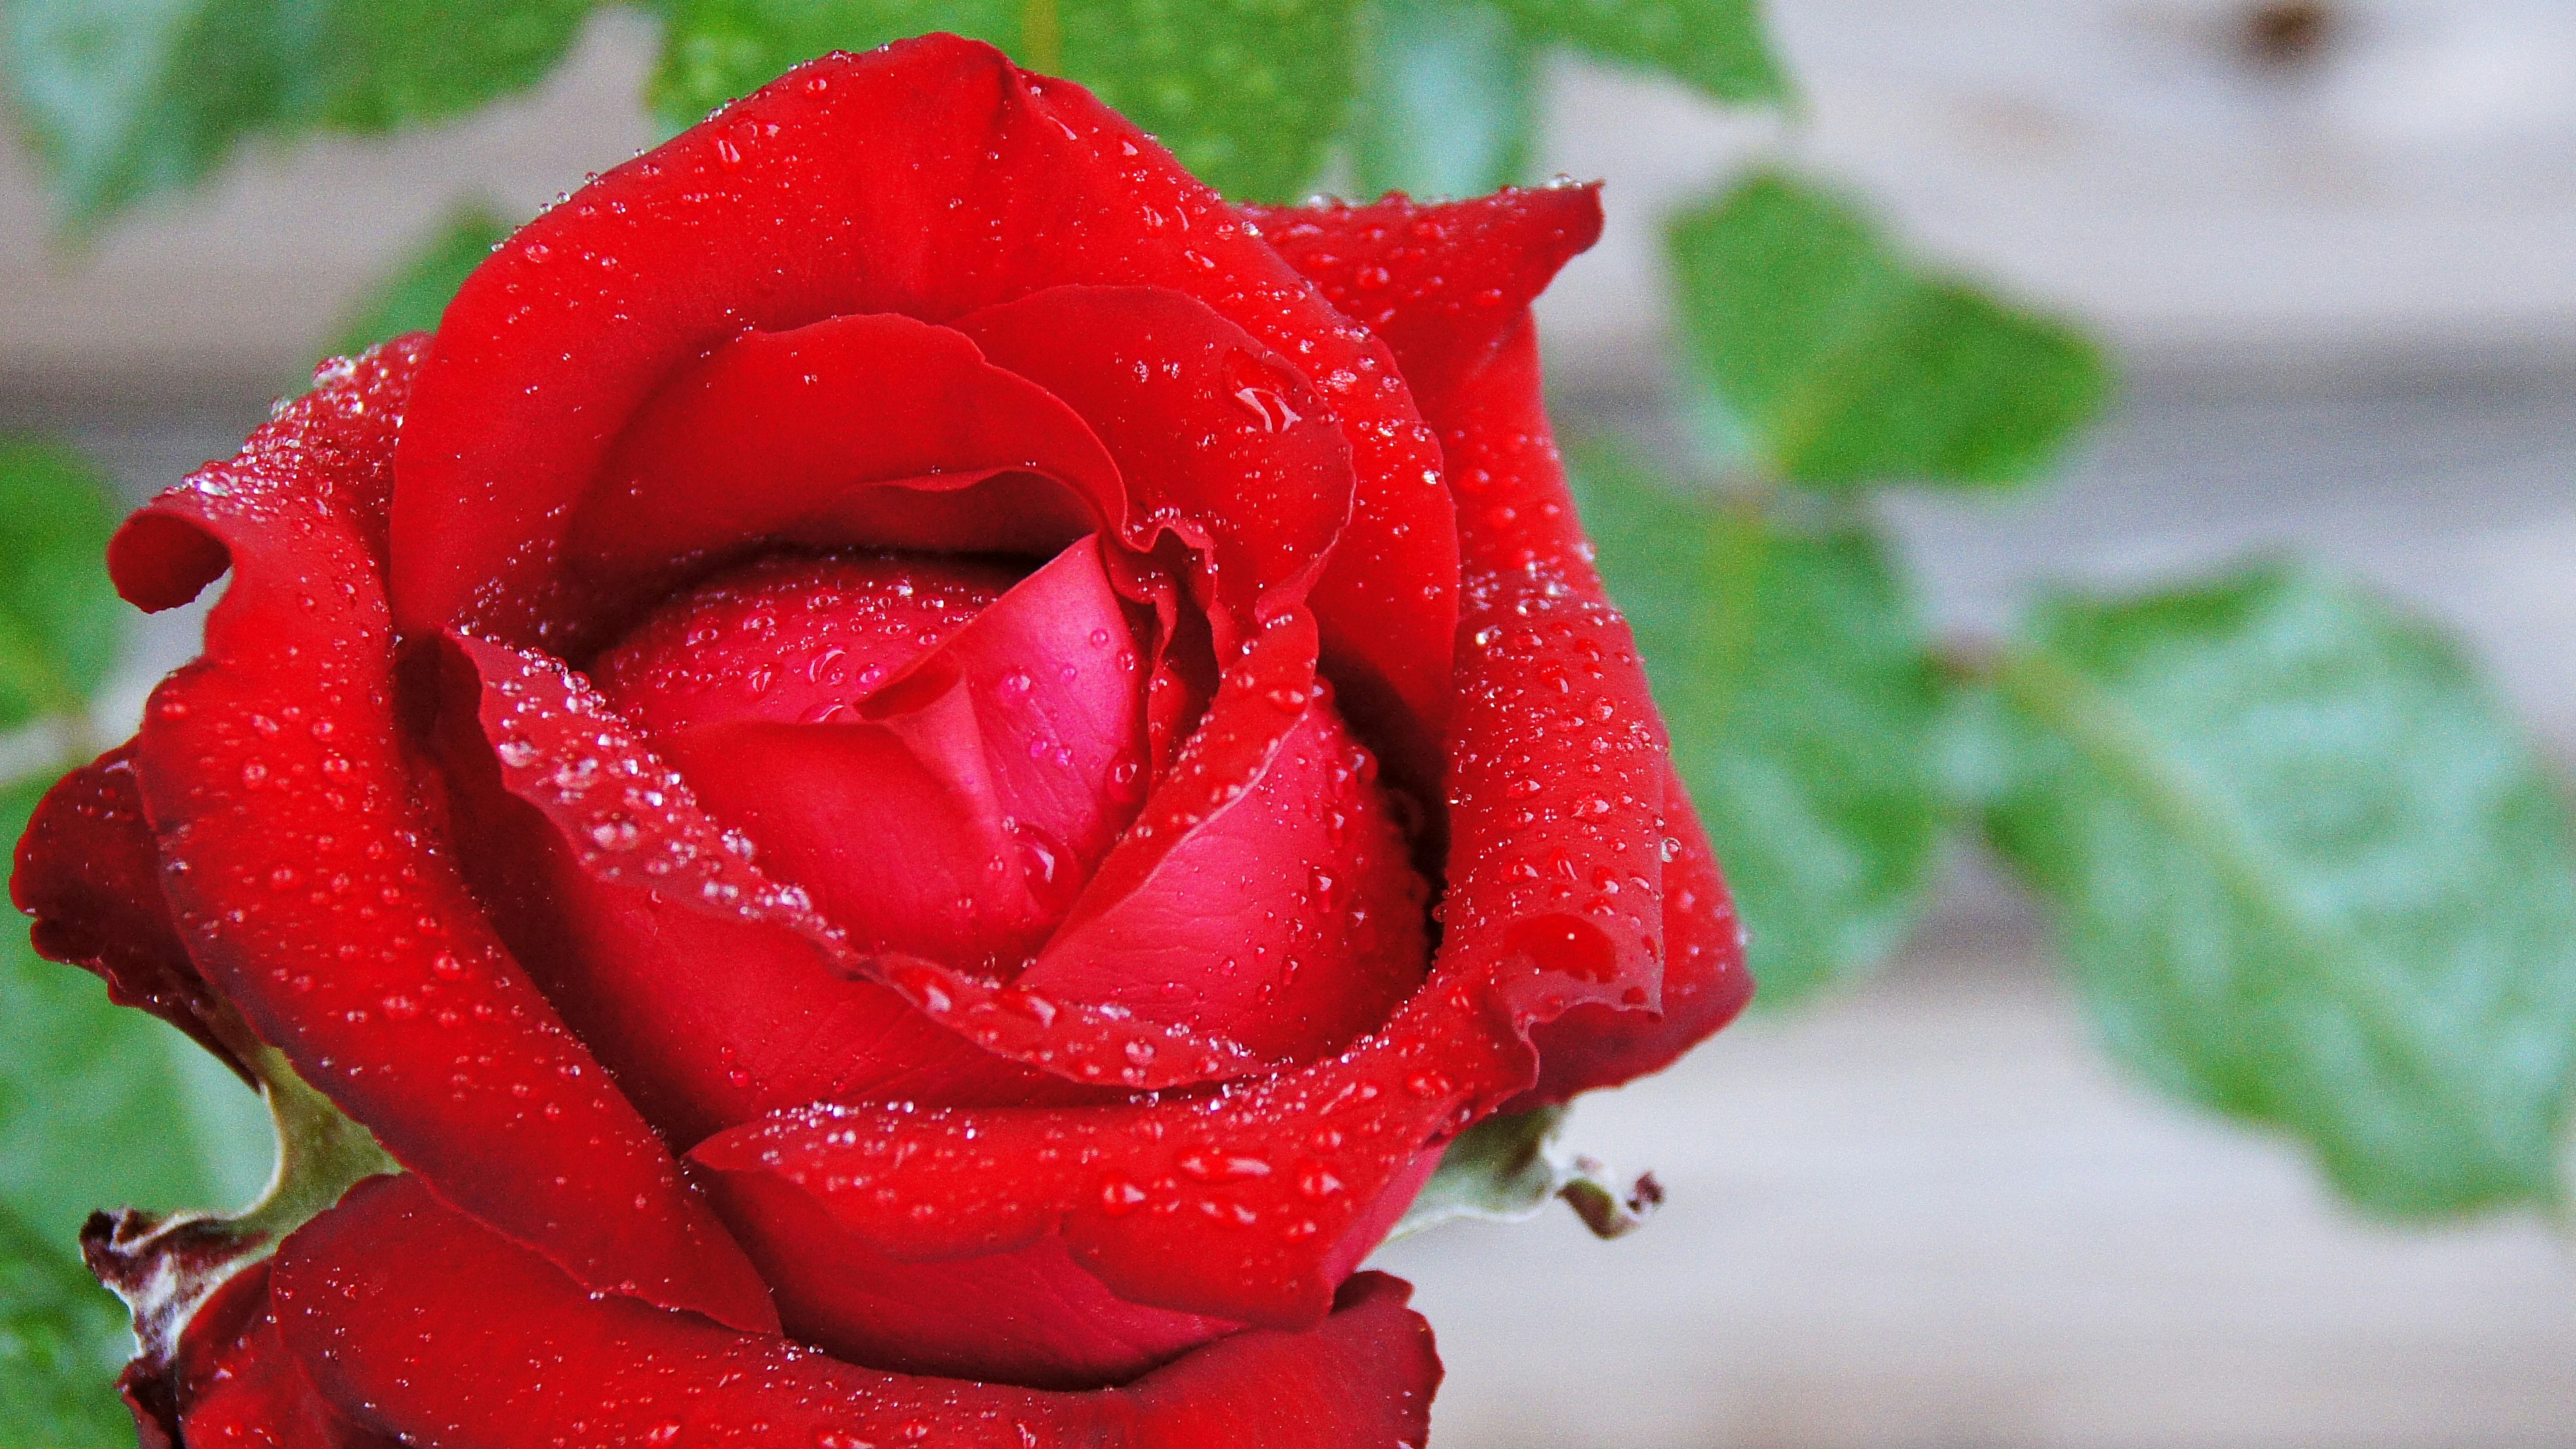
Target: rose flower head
[[914, 772]]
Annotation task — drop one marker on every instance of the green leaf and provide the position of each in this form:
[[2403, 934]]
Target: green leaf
[[122, 99], [62, 1340], [1791, 668], [412, 299], [60, 621], [1716, 46], [1448, 98], [1249, 94], [2309, 873], [1505, 1169], [714, 51], [1824, 356]]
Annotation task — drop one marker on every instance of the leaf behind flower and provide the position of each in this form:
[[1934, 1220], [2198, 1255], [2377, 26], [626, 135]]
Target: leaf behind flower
[[1248, 94], [2309, 872], [1717, 47], [62, 1340], [1823, 355], [60, 620], [124, 99]]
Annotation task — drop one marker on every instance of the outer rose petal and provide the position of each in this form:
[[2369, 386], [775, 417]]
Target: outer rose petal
[[1520, 525], [391, 1301], [1442, 282], [88, 871], [930, 178], [1030, 1317], [313, 891], [1705, 983], [1448, 286]]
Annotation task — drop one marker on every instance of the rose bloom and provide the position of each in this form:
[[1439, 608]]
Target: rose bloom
[[915, 772]]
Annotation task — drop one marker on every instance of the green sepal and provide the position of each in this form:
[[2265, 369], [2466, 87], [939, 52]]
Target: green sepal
[[1507, 1169]]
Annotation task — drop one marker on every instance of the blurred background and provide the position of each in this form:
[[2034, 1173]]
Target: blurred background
[[2331, 250]]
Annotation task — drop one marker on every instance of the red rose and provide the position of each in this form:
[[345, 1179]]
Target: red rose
[[907, 737]]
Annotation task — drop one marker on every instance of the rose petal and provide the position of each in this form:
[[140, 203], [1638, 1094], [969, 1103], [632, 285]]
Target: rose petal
[[1249, 1204], [1252, 1205], [309, 884], [1563, 779], [873, 430], [1290, 920], [956, 810], [633, 822], [390, 1301], [1442, 281], [239, 1388], [791, 638], [1029, 1317], [930, 178], [712, 998], [88, 871], [1705, 983], [1218, 437]]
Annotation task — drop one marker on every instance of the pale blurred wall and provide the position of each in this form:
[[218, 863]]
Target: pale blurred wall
[[2399, 182], [2343, 285]]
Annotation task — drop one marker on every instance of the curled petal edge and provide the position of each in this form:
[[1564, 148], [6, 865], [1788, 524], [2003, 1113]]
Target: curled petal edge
[[311, 889]]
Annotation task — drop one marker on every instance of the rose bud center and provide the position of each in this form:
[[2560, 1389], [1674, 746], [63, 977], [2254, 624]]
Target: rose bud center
[[937, 754], [942, 752]]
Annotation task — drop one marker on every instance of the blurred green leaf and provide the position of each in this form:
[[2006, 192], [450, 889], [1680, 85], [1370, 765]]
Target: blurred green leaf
[[1792, 670], [412, 299], [1506, 1169], [716, 50], [122, 99], [62, 1340], [60, 621], [1716, 46], [1825, 357], [2309, 873], [1448, 98], [1249, 94]]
